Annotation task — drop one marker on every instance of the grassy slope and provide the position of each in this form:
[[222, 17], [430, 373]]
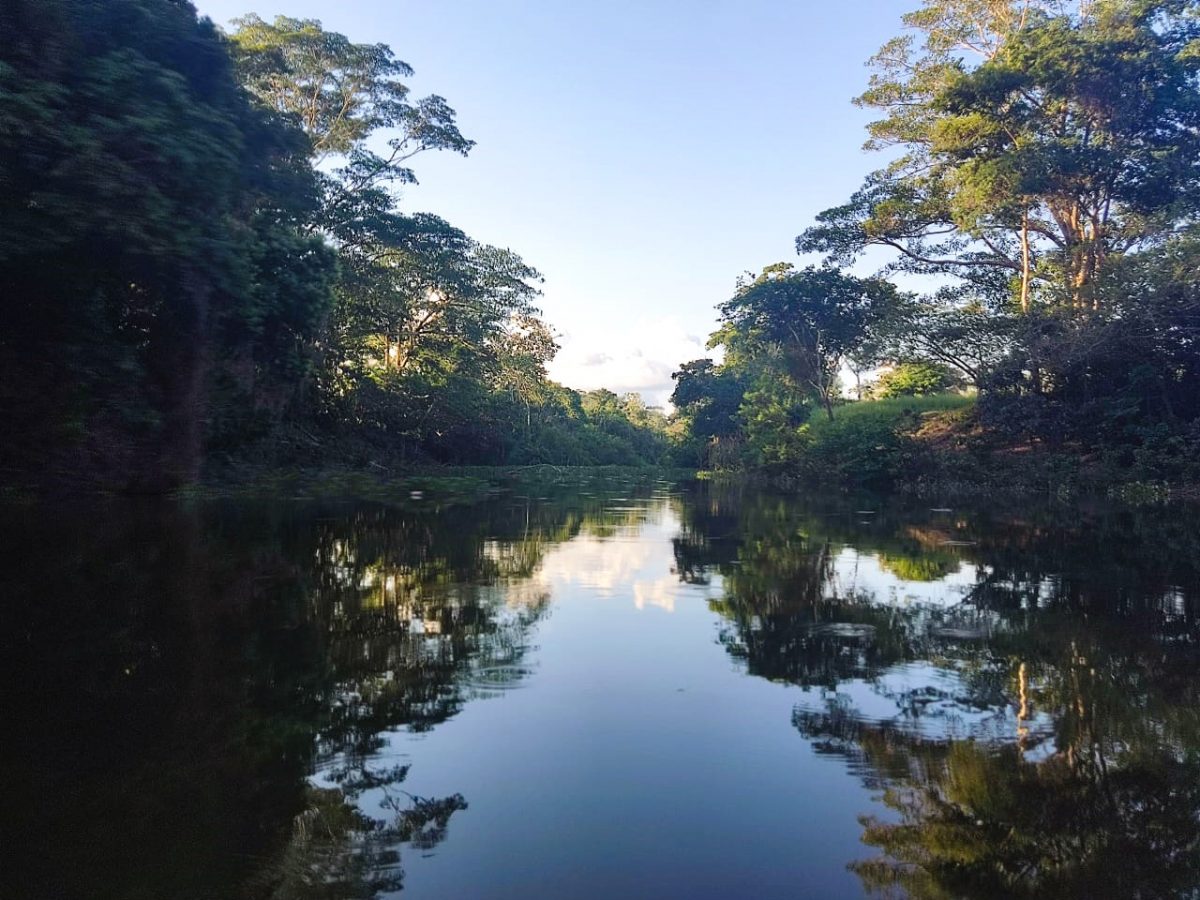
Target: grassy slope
[[895, 410], [936, 445], [873, 442]]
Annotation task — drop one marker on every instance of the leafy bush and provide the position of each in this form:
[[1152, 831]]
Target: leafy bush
[[913, 379]]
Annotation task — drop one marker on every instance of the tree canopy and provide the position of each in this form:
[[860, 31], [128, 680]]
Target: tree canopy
[[206, 261], [1025, 156]]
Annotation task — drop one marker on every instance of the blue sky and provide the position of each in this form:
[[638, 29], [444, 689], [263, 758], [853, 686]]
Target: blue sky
[[640, 154]]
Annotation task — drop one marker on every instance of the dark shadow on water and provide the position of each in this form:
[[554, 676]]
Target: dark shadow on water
[[198, 696]]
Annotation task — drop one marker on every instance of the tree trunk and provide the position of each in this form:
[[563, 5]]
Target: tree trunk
[[1026, 267], [178, 362]]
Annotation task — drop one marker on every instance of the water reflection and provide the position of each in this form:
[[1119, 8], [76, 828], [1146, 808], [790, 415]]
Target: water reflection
[[204, 693], [219, 700], [1022, 690]]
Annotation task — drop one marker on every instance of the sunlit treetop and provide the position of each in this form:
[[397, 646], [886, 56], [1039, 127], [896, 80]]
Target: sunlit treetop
[[338, 91]]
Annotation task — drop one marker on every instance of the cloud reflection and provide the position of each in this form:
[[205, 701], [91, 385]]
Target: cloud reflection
[[635, 563]]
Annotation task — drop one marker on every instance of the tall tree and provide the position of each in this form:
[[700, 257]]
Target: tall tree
[[1039, 140], [810, 320], [709, 395], [423, 311], [341, 92]]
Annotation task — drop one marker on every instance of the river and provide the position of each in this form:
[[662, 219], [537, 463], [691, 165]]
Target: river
[[642, 689]]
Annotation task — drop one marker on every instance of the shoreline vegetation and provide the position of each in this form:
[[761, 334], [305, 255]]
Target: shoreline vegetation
[[213, 285]]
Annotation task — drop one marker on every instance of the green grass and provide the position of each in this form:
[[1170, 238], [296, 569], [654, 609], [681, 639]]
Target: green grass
[[869, 443], [893, 409]]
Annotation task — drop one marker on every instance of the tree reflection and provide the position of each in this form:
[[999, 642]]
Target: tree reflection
[[337, 851], [416, 622], [1034, 727], [202, 693], [988, 821]]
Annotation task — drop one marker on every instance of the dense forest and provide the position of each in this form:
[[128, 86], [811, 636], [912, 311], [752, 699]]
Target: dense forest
[[1040, 307], [207, 266], [205, 262]]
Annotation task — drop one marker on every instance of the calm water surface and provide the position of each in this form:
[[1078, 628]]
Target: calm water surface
[[655, 690]]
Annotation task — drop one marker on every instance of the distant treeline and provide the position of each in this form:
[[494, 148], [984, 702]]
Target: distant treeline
[[203, 263], [1044, 182]]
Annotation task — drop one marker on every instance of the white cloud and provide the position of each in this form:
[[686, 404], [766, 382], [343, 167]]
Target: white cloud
[[639, 357]]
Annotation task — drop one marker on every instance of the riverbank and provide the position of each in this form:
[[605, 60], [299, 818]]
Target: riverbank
[[931, 447], [424, 483], [939, 446]]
